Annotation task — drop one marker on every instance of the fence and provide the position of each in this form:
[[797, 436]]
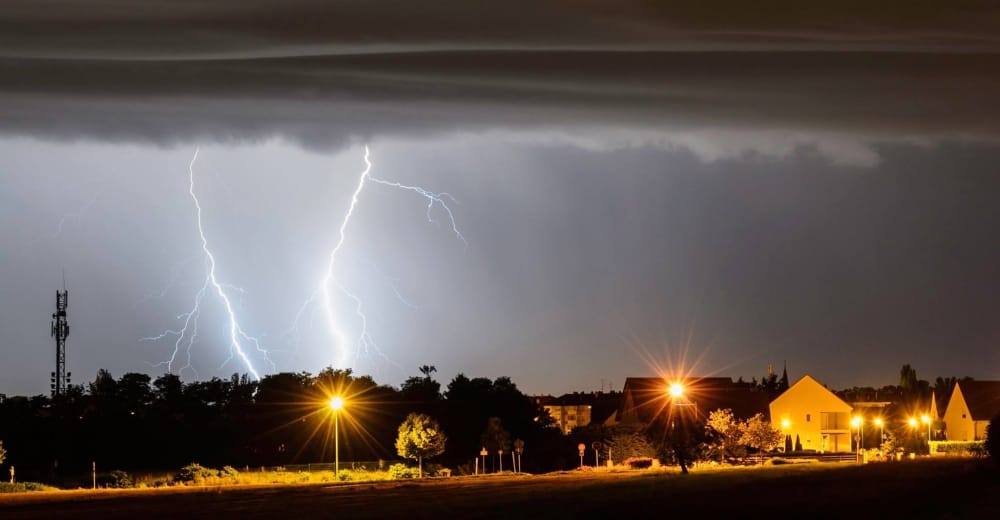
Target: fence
[[363, 465]]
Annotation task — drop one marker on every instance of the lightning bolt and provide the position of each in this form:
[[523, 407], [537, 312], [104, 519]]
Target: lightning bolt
[[188, 333], [63, 220], [432, 200], [329, 282]]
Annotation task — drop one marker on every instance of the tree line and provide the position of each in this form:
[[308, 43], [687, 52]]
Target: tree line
[[138, 423]]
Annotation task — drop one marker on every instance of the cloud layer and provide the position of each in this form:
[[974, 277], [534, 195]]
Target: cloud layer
[[323, 76]]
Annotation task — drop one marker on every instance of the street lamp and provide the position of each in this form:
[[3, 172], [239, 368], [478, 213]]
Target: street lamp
[[881, 432], [857, 423], [676, 390], [336, 403], [927, 420]]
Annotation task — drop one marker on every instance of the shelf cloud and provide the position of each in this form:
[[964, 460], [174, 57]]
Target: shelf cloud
[[635, 73]]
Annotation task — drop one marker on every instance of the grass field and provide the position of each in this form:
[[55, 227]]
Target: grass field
[[929, 488]]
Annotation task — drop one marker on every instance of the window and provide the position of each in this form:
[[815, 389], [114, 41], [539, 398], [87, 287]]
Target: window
[[833, 421], [963, 416], [808, 417]]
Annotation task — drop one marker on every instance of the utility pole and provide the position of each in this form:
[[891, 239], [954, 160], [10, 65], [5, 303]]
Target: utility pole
[[60, 330]]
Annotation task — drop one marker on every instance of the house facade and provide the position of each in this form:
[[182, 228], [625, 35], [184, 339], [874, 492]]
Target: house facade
[[569, 416], [972, 405], [820, 419]]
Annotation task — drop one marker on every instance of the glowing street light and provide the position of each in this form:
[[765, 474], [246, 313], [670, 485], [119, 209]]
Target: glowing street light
[[336, 404], [927, 420], [785, 424], [676, 390], [881, 433]]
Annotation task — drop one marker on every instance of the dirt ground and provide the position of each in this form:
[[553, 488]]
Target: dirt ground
[[945, 488]]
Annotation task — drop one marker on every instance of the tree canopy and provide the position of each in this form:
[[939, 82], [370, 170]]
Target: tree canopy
[[420, 437]]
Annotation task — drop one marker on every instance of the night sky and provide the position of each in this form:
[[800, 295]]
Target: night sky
[[638, 182]]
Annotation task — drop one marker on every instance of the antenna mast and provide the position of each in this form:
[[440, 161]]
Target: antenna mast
[[60, 330]]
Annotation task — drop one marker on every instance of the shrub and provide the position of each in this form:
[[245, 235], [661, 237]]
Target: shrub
[[639, 462], [992, 443], [229, 473], [194, 473], [959, 448], [400, 471], [116, 479], [21, 487]]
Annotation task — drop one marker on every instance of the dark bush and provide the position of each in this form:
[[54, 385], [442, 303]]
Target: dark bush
[[115, 479], [960, 448], [639, 462], [21, 487], [194, 473], [993, 438]]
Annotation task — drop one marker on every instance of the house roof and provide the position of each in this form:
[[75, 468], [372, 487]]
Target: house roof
[[827, 397], [982, 398], [644, 397], [574, 399]]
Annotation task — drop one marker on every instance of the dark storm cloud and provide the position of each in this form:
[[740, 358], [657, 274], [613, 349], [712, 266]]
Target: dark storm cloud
[[324, 73], [197, 27]]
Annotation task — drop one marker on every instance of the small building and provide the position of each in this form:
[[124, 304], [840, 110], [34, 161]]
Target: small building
[[972, 405], [820, 419], [643, 398]]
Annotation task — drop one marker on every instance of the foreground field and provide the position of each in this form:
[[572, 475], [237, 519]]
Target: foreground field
[[949, 488]]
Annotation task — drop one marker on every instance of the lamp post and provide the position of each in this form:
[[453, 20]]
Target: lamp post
[[881, 432], [913, 427], [857, 422], [926, 419], [336, 403]]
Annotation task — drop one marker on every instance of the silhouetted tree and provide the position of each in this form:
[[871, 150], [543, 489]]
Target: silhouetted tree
[[421, 389], [495, 438], [993, 438], [907, 378], [134, 391], [683, 436]]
